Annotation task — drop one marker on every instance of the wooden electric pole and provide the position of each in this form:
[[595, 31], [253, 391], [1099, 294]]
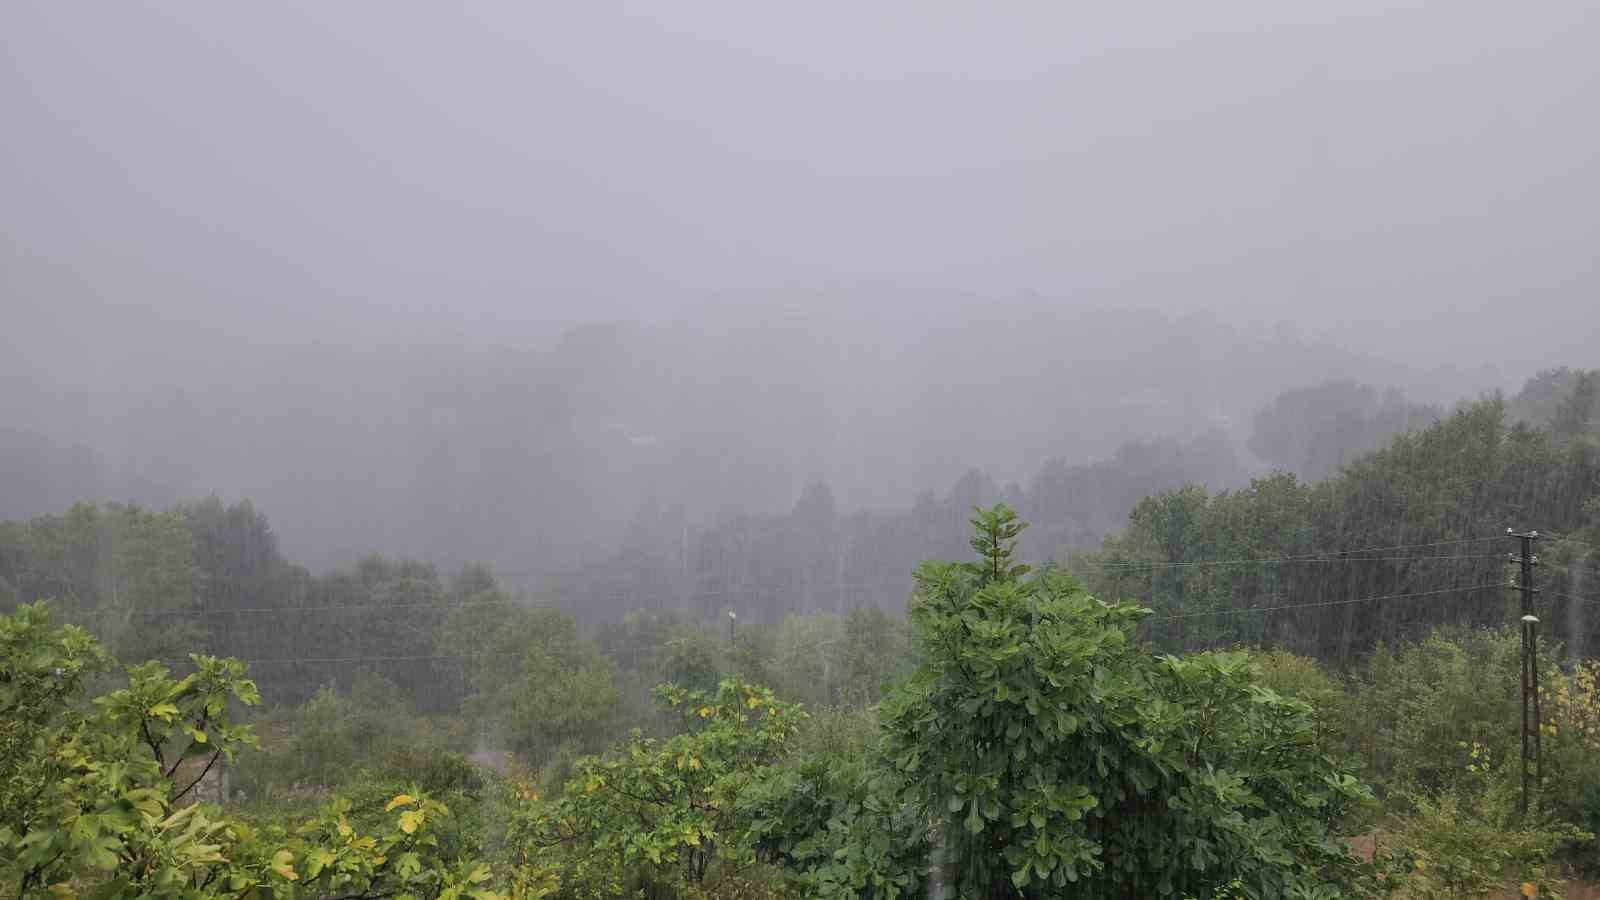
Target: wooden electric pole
[[1532, 759]]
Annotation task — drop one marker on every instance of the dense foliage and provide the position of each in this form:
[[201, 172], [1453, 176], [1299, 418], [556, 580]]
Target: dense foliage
[[663, 815], [1054, 750], [1019, 734], [1286, 563], [103, 796]]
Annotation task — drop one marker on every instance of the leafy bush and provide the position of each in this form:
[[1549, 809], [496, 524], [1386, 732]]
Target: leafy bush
[[1417, 708], [1470, 841], [1438, 720], [831, 816], [1051, 749], [662, 814], [110, 792], [1303, 678], [537, 684], [1571, 745]]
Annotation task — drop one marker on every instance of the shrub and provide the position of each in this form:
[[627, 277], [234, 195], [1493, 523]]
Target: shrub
[[1471, 842], [1051, 749]]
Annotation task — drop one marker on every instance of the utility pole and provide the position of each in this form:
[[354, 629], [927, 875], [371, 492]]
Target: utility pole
[[1532, 623], [1531, 717]]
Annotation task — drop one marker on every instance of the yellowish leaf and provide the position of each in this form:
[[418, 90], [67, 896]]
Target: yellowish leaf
[[178, 817], [410, 820], [400, 800], [283, 864], [63, 889]]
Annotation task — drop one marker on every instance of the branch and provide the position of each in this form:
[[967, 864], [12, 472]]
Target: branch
[[200, 726], [198, 778], [150, 741], [557, 840], [36, 874], [637, 798], [366, 892]]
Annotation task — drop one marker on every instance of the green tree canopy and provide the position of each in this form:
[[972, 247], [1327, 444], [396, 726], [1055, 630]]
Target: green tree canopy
[[1054, 749], [99, 799]]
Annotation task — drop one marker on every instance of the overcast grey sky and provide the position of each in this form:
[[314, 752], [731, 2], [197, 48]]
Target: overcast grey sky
[[1419, 174]]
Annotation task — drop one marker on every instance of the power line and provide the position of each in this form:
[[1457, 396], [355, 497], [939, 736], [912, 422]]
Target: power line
[[1274, 560], [1267, 609], [1567, 540], [347, 659], [1330, 555], [354, 607], [1481, 540], [848, 585]]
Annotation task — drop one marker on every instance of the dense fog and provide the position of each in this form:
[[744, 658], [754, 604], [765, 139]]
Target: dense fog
[[486, 286], [527, 455]]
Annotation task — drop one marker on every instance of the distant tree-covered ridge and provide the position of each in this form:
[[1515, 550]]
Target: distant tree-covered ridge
[[211, 575], [1403, 539]]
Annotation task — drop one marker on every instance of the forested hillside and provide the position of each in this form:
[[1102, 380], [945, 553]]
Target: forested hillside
[[1338, 655], [819, 557], [1402, 540], [453, 451], [1218, 565]]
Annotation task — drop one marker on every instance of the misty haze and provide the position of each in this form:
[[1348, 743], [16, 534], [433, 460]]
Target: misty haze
[[712, 450]]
